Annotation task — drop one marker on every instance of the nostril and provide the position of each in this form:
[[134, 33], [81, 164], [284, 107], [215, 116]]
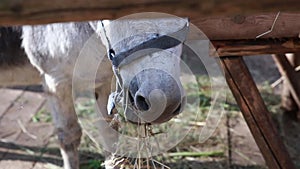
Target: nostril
[[142, 103], [177, 111]]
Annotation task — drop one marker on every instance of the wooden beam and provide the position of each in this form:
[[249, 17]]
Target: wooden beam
[[255, 113], [237, 21], [290, 75], [288, 103], [36, 11], [251, 47], [250, 26]]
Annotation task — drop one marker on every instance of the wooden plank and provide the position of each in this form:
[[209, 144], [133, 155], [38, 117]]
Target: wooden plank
[[7, 98], [46, 166], [250, 26], [250, 47], [39, 166], [255, 113], [235, 23], [287, 101], [290, 75], [20, 112], [13, 164], [25, 142], [36, 11], [39, 135]]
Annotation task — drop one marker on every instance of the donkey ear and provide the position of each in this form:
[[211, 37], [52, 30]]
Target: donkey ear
[[98, 27], [94, 24]]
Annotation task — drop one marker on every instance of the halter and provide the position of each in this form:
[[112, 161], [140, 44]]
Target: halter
[[155, 44]]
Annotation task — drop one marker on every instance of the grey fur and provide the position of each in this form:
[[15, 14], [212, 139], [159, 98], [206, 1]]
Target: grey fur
[[54, 43]]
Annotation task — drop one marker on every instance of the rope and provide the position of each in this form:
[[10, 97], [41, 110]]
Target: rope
[[119, 91]]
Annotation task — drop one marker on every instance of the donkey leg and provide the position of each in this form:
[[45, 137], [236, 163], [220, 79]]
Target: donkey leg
[[67, 127]]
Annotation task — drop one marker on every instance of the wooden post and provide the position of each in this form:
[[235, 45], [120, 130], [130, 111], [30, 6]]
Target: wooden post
[[252, 47], [255, 113], [291, 82]]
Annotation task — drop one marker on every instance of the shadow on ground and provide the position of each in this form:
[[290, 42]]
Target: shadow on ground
[[16, 152], [52, 155]]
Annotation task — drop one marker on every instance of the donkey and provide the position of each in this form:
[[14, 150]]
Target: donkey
[[150, 78]]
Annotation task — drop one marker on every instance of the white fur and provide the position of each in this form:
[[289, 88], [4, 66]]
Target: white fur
[[53, 49]]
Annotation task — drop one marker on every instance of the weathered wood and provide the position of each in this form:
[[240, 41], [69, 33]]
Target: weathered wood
[[19, 111], [249, 27], [7, 98], [22, 110], [255, 113], [255, 47], [13, 165], [36, 11], [287, 101], [291, 77], [236, 23]]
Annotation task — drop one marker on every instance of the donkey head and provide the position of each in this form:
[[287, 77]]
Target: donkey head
[[146, 59]]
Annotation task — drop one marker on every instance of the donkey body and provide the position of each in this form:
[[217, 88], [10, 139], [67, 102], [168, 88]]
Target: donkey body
[[53, 50]]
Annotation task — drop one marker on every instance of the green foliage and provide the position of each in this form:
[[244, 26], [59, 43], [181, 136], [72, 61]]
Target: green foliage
[[94, 164], [85, 109], [42, 116]]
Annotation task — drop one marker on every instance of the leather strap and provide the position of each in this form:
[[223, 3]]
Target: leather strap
[[153, 45]]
